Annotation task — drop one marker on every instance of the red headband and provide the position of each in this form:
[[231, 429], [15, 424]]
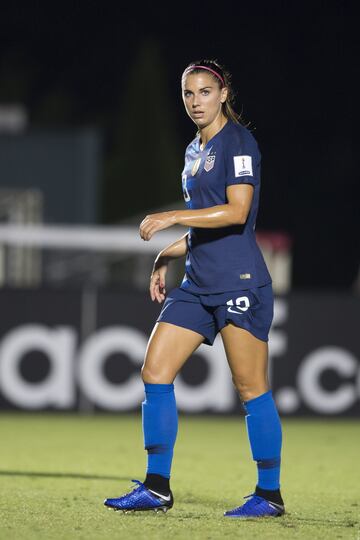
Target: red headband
[[209, 69]]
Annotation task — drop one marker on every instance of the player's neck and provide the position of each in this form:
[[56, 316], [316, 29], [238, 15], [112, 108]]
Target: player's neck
[[211, 130]]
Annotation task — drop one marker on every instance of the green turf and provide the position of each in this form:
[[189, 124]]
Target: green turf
[[56, 470]]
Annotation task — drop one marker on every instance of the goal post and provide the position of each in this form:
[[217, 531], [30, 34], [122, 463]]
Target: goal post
[[115, 243]]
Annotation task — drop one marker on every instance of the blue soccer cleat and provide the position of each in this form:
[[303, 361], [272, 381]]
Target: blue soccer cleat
[[141, 498], [256, 507]]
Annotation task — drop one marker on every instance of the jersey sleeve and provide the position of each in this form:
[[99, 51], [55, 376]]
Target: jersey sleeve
[[242, 160]]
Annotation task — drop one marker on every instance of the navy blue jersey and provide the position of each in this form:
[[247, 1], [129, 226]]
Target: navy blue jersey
[[226, 258]]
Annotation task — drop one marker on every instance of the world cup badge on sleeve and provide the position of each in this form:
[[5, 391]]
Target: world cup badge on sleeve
[[209, 163]]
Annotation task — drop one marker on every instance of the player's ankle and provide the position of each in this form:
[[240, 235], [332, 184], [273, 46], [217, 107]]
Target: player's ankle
[[158, 483], [270, 495]]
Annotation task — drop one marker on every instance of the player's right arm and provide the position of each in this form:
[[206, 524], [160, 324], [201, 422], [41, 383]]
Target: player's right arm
[[157, 280]]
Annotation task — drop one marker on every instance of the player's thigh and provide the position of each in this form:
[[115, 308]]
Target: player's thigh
[[168, 349], [247, 356]]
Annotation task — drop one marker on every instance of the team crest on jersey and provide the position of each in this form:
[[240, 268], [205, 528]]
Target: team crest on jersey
[[209, 163]]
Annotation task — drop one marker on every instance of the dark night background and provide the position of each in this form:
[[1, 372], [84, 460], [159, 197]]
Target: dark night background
[[294, 69]]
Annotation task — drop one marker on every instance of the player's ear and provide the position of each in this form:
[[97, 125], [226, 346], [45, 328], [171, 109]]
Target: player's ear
[[224, 94]]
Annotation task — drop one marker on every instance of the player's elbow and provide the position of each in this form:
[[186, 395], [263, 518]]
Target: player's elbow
[[242, 219], [240, 214]]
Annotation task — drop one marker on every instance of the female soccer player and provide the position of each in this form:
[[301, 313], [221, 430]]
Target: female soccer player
[[226, 288]]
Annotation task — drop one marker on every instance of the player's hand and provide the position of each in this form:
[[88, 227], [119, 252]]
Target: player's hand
[[156, 222], [157, 280]]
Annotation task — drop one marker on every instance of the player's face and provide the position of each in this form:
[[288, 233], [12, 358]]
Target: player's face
[[202, 98]]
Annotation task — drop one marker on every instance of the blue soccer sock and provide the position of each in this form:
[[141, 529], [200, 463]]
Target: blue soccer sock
[[160, 424], [265, 436]]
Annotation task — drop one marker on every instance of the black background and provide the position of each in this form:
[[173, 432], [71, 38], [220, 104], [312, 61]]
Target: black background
[[294, 68]]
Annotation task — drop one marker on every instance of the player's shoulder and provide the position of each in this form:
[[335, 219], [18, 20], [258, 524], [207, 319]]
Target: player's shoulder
[[238, 134]]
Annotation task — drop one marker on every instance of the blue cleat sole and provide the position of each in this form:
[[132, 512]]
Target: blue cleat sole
[[256, 507], [162, 509], [140, 499]]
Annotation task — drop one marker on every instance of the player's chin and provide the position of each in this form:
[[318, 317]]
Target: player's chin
[[200, 122], [197, 119]]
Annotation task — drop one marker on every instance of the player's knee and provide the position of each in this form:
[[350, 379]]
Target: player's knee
[[248, 388], [147, 374], [153, 375], [241, 386]]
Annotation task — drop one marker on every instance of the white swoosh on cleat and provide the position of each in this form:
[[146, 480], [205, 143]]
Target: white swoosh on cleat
[[165, 498], [275, 506]]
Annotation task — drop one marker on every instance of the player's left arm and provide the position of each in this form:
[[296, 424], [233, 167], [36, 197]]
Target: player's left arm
[[241, 160], [234, 212]]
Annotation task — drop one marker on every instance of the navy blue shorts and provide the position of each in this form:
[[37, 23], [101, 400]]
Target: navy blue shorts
[[207, 314]]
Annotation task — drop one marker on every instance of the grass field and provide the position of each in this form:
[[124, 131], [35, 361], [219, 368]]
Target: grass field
[[57, 469]]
